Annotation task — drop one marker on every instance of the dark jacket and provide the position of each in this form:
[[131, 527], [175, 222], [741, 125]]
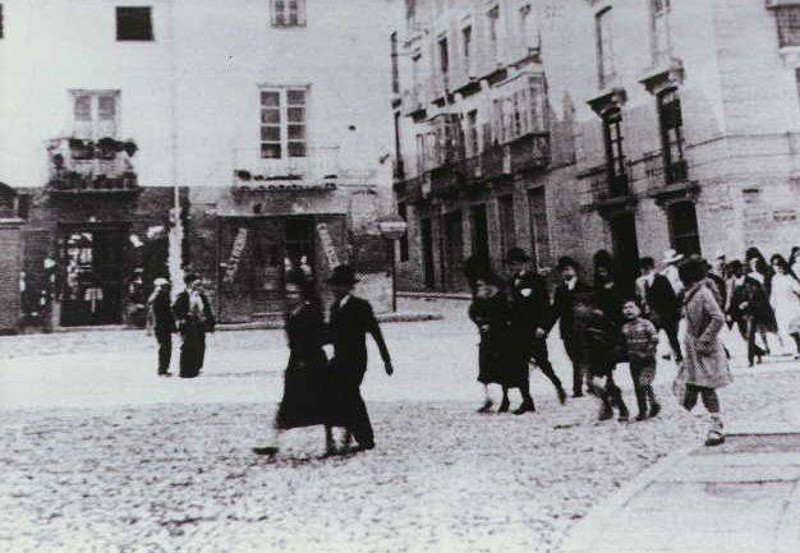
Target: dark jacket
[[610, 303], [499, 358], [163, 319], [663, 301], [530, 304], [305, 331], [349, 326], [562, 310], [749, 299], [183, 317]]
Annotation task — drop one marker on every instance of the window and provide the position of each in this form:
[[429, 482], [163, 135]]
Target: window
[[395, 68], [788, 18], [2, 29], [283, 123], [605, 52], [525, 27], [288, 13], [660, 10], [615, 159], [472, 133], [522, 110], [494, 25], [540, 231], [402, 210], [683, 228], [134, 23], [466, 48], [508, 233], [95, 114], [671, 122], [416, 77], [444, 57]]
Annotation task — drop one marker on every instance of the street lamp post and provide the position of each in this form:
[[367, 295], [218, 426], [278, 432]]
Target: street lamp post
[[393, 228]]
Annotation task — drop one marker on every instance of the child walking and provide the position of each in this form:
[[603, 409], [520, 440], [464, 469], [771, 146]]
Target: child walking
[[601, 340], [641, 339], [705, 367]]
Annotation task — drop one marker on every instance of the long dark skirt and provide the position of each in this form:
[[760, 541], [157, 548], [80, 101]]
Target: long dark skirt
[[305, 388], [193, 350], [500, 361]]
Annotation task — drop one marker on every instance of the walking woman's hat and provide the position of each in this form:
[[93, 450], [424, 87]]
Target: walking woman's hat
[[671, 256]]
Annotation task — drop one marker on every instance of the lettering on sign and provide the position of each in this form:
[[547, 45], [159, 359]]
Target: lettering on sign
[[239, 244], [328, 247]]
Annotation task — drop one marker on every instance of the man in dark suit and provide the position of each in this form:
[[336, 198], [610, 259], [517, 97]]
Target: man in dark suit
[[665, 308], [351, 319], [563, 312], [163, 323], [530, 314]]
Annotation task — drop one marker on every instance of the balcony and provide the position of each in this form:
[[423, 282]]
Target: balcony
[[530, 152], [610, 194], [319, 164], [496, 162], [84, 166]]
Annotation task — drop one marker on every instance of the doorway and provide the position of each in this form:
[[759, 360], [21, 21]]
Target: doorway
[[93, 272], [626, 252], [454, 250], [480, 232], [427, 254]]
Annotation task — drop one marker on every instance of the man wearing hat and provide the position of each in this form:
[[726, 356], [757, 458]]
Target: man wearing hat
[[663, 297], [162, 322], [350, 321], [563, 312], [194, 317], [530, 313]]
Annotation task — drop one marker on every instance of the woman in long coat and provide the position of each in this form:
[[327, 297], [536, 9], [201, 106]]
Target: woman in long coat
[[305, 381], [705, 367], [193, 318], [499, 362]]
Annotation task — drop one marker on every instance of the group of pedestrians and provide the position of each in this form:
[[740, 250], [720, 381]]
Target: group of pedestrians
[[190, 315], [601, 327]]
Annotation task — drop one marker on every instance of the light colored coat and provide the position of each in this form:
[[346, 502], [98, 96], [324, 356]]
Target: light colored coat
[[705, 361]]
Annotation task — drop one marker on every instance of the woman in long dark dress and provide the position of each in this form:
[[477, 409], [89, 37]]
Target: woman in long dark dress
[[498, 361], [193, 318], [305, 380]]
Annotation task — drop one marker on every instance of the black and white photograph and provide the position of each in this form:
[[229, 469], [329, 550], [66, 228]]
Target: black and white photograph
[[400, 276]]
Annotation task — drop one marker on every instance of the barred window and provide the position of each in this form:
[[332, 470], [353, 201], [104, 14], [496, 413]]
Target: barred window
[[788, 18], [288, 13]]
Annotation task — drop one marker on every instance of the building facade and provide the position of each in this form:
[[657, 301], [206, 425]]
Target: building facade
[[235, 141], [569, 126]]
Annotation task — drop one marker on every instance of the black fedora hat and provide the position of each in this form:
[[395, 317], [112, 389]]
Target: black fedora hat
[[567, 261], [343, 274], [517, 254]]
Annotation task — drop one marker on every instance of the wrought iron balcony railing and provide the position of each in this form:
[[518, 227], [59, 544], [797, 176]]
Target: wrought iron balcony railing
[[77, 165]]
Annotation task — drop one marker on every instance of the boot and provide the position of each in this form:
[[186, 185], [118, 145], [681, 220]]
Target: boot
[[504, 405], [487, 406], [715, 434], [606, 411], [527, 406], [562, 395]]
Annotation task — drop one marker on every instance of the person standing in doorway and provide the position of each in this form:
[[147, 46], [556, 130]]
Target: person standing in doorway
[[563, 313], [162, 322], [194, 319], [530, 313], [351, 320]]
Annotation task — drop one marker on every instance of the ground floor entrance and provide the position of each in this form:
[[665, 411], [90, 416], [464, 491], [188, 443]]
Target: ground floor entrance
[[92, 263], [256, 252]]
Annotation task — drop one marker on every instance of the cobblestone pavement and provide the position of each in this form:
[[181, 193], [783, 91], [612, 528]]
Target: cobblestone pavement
[[98, 454]]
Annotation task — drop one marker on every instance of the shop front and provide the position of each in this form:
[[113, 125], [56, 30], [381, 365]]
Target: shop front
[[256, 252]]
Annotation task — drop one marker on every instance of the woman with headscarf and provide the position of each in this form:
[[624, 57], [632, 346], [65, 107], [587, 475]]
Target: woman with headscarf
[[193, 318], [305, 380]]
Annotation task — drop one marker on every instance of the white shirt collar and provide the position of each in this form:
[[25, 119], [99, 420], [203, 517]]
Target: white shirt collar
[[571, 283]]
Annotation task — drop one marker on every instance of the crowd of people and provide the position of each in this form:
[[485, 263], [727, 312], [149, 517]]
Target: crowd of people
[[602, 325]]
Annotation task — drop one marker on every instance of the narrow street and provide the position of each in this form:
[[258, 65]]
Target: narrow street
[[99, 454]]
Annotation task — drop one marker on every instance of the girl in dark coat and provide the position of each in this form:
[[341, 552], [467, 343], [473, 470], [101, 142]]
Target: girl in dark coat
[[498, 362], [750, 310], [306, 378], [193, 317]]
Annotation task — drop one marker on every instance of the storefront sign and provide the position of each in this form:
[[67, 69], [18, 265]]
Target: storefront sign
[[328, 246], [239, 244]]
